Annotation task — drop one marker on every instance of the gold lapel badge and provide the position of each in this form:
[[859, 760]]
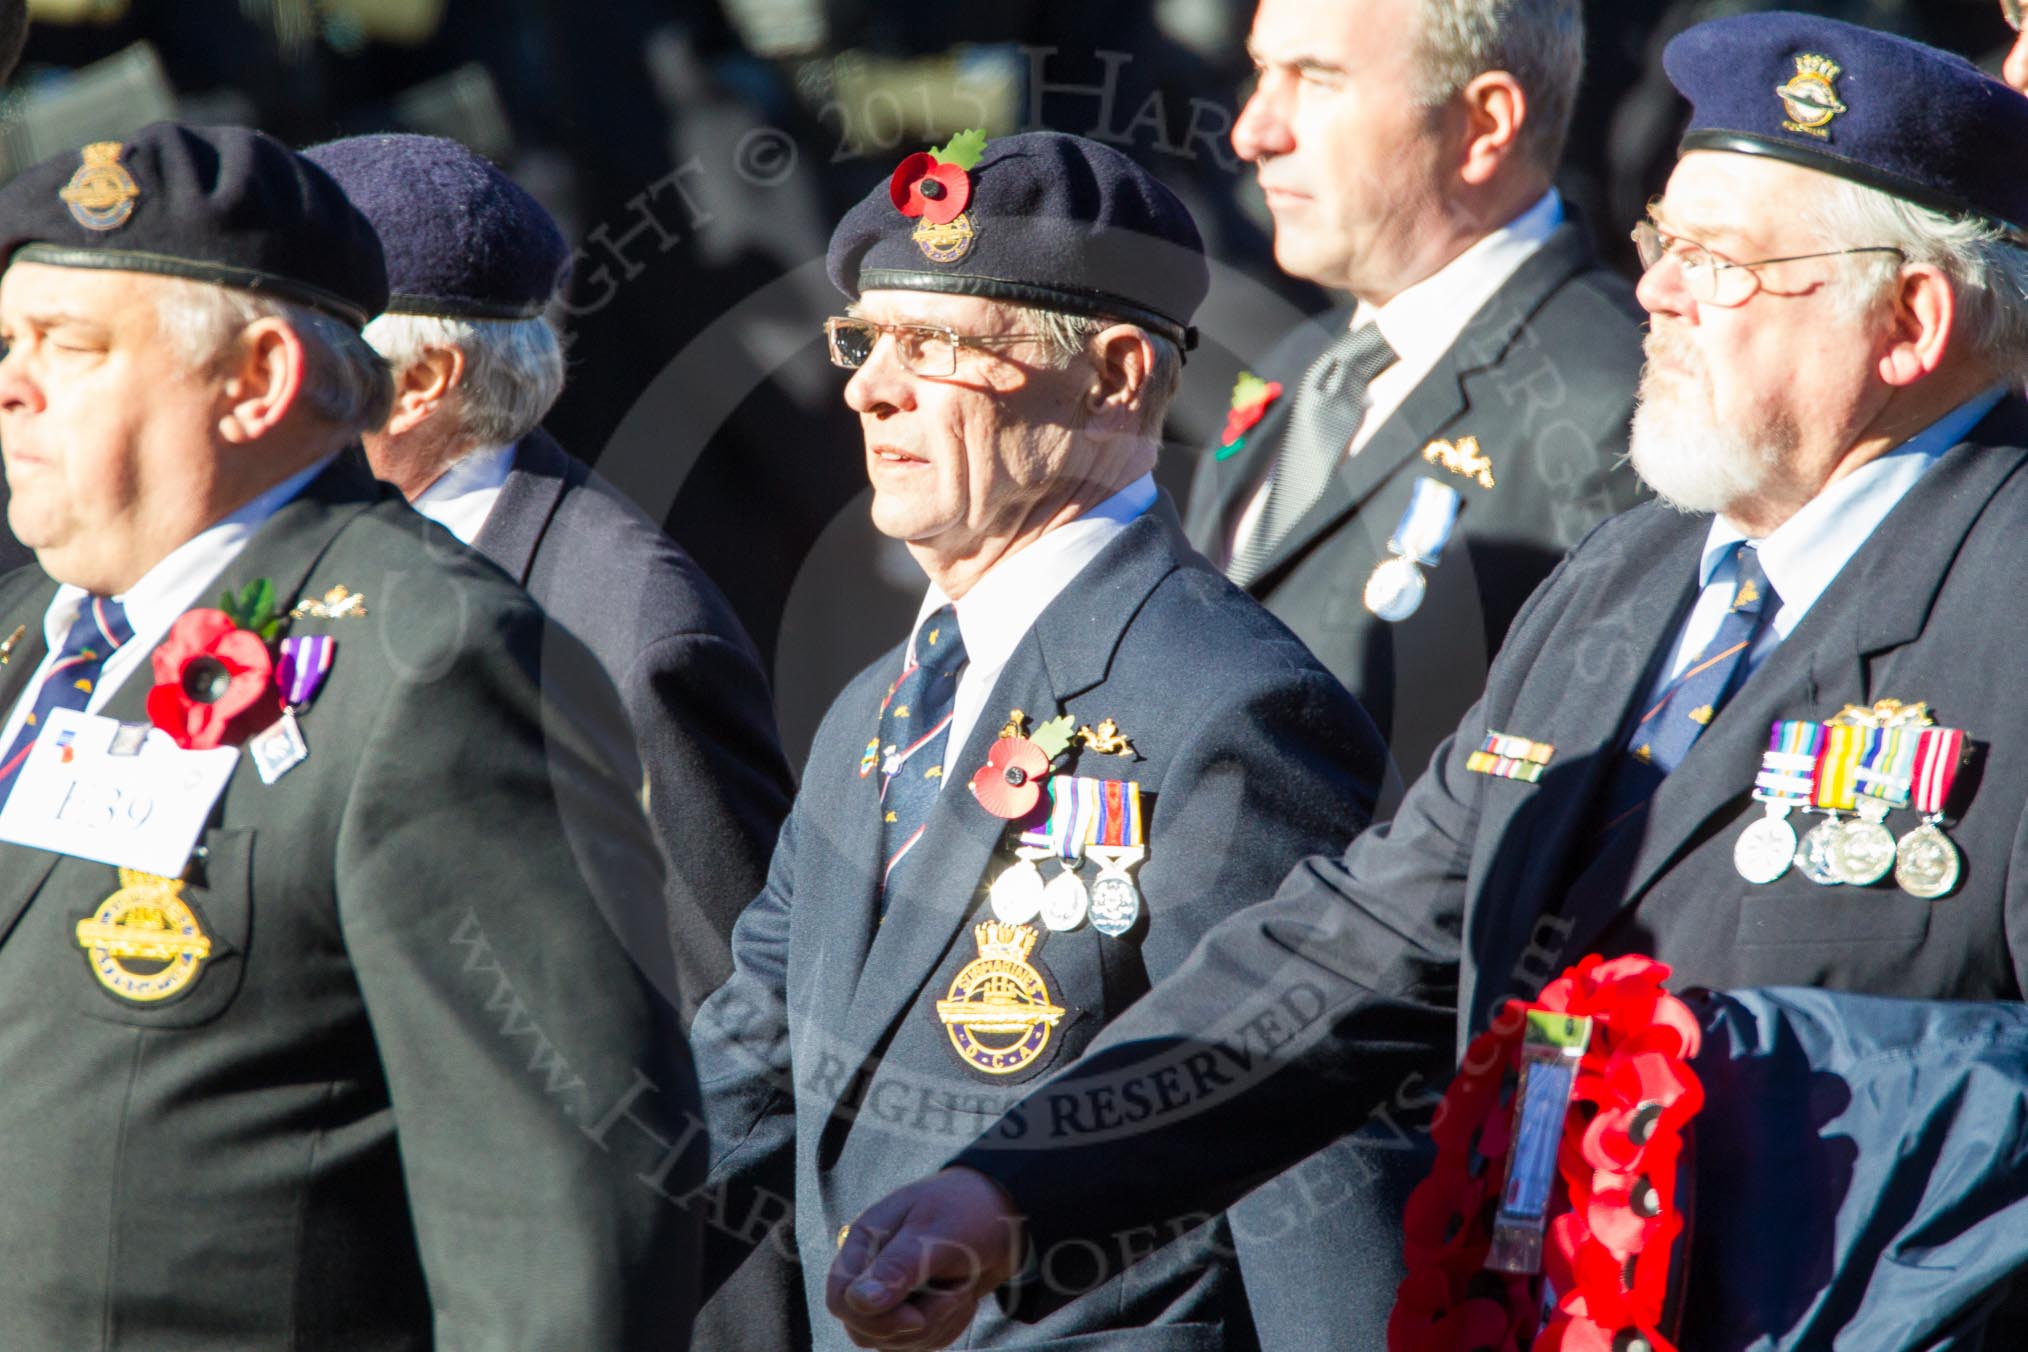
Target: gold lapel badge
[[143, 941], [1508, 757], [7, 645], [1461, 457], [1810, 97], [1105, 739], [101, 194], [340, 603]]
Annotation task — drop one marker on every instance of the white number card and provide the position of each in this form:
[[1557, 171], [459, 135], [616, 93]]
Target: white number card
[[117, 793]]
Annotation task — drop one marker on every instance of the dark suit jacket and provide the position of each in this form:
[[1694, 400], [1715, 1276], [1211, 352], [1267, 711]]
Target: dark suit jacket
[[380, 1116], [703, 728], [827, 1073], [1483, 887], [697, 701], [1544, 377]]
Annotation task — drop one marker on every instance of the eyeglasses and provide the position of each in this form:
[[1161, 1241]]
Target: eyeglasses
[[1712, 278], [926, 349]]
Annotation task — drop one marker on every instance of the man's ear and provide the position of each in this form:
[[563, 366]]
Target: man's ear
[[1923, 322], [422, 386], [1124, 362], [264, 377], [1495, 108]]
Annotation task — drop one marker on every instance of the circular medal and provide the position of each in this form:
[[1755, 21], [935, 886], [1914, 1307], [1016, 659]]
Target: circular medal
[[1396, 589], [1017, 893], [1926, 864], [1765, 850], [1863, 853], [1813, 856], [1115, 904], [1065, 902]]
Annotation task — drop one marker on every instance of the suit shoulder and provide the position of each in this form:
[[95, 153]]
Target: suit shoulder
[[1208, 633]]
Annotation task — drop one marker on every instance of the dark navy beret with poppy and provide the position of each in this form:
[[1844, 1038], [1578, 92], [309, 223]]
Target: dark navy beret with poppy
[[225, 205], [1921, 124], [462, 239], [1042, 219]]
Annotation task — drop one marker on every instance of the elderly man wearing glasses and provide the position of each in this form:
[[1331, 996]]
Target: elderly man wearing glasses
[[1762, 731], [1089, 750]]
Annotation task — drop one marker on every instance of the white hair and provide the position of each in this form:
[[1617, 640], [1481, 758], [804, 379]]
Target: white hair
[[513, 368], [1066, 337], [344, 380], [1539, 42], [1987, 267]]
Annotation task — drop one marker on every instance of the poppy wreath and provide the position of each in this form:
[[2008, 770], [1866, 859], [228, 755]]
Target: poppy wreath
[[215, 674], [1615, 1218]]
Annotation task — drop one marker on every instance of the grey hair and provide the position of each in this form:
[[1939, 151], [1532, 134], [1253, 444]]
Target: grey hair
[[1539, 42], [1065, 337], [1987, 265], [514, 368], [344, 381]]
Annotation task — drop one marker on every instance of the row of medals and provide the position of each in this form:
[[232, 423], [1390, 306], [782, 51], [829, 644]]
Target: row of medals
[[1112, 903], [1856, 853]]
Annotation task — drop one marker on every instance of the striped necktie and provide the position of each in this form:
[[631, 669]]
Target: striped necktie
[[1328, 410], [100, 629], [915, 726], [1664, 733]]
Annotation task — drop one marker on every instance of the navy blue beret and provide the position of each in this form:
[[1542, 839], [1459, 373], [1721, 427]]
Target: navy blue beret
[[224, 205], [462, 238], [1896, 115], [1049, 220]]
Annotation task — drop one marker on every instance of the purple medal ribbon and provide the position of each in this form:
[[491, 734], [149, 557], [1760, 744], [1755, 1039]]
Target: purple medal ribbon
[[306, 660]]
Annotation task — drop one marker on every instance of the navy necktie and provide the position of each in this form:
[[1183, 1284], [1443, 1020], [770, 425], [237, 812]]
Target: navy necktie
[[100, 629], [1666, 730], [915, 727]]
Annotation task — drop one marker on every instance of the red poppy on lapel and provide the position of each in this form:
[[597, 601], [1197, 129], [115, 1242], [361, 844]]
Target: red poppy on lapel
[[214, 682]]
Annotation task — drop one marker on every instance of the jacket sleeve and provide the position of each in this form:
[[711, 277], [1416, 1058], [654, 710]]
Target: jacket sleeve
[[544, 1101]]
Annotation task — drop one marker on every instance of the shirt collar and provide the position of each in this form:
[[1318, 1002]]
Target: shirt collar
[[1805, 554], [177, 579], [1004, 604], [1423, 322]]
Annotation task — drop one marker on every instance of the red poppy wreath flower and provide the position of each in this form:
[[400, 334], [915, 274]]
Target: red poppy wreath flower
[[1250, 400], [214, 682], [1009, 784], [936, 190]]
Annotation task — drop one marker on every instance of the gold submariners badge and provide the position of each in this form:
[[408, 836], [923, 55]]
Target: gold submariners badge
[[1810, 97], [998, 1013], [101, 194], [144, 942]]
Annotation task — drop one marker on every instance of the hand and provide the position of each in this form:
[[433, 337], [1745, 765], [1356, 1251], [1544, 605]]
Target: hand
[[916, 1264]]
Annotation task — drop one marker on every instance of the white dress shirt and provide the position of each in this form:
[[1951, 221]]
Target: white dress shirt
[[1002, 606], [1805, 554], [184, 577], [463, 496], [1423, 323]]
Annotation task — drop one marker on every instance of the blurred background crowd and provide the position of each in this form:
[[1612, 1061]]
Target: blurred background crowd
[[698, 153]]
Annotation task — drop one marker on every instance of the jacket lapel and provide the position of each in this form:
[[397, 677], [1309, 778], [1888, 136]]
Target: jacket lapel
[[1880, 601], [22, 869], [1440, 397], [527, 503], [1062, 657]]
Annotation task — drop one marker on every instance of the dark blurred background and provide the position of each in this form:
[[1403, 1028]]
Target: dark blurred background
[[698, 152]]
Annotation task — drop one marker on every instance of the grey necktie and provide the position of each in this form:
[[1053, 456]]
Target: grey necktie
[[1328, 410]]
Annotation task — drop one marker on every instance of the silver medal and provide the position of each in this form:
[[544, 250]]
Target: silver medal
[[1115, 904], [1864, 852], [1927, 864], [1814, 855], [279, 749], [1016, 895], [1065, 902], [1765, 849], [1396, 589]]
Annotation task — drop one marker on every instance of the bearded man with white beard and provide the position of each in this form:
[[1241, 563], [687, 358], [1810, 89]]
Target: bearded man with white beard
[[1838, 304]]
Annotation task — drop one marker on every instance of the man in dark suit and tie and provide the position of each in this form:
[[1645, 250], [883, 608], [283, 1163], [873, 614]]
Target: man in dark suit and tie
[[320, 1026], [1406, 469], [473, 264], [1759, 731], [1090, 746]]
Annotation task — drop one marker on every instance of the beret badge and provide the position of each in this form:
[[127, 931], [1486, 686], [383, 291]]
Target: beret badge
[[1810, 97], [101, 193], [934, 187]]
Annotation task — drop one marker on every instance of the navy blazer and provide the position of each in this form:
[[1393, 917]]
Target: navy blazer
[[828, 1076], [715, 784], [1484, 887]]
